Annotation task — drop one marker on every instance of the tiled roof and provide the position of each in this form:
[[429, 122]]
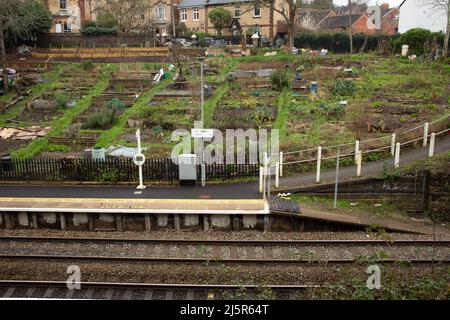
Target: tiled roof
[[338, 21]]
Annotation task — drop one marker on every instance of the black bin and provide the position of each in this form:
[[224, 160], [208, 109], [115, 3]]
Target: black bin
[[6, 163]]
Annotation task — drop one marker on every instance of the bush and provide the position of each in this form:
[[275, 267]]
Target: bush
[[344, 88], [337, 42], [95, 30], [61, 99], [115, 104], [106, 20], [279, 80], [419, 40], [87, 65], [100, 120]]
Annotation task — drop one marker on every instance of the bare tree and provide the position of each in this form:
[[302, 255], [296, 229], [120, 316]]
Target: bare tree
[[288, 9], [127, 13], [20, 19], [442, 6]]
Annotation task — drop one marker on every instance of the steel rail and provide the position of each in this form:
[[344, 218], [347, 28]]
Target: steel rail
[[211, 260], [232, 241]]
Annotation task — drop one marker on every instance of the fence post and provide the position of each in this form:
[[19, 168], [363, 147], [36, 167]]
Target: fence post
[[281, 163], [393, 144], [261, 176], [319, 156], [431, 150], [397, 155], [358, 163], [356, 149], [425, 134], [264, 175], [277, 175]]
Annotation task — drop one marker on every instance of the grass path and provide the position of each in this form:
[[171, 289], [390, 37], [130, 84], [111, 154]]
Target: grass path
[[283, 112], [108, 137], [36, 91], [60, 125]]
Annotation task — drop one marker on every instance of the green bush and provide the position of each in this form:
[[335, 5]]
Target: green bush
[[344, 88], [279, 80], [419, 40], [115, 104], [95, 30], [337, 42], [87, 65], [100, 120], [61, 99], [106, 20]]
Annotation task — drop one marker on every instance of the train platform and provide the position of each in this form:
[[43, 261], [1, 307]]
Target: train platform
[[111, 205]]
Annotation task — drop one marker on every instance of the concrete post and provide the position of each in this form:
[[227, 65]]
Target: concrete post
[[277, 175], [264, 175], [34, 220], [358, 163], [261, 176], [267, 223], [281, 163], [432, 140], [397, 155], [205, 222], [319, 157], [8, 220], [119, 224], [62, 220], [356, 149], [91, 222], [176, 222], [425, 134], [148, 222], [393, 138]]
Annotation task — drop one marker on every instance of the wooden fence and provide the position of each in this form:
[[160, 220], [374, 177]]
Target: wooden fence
[[111, 170]]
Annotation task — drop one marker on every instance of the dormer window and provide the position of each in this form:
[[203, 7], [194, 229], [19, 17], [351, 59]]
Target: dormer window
[[63, 5]]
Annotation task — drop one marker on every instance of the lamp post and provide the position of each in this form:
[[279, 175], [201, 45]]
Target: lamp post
[[201, 59], [174, 32]]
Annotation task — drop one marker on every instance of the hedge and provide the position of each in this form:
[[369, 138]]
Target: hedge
[[95, 30], [338, 42]]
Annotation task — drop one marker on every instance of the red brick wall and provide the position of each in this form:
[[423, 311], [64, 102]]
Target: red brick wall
[[361, 26]]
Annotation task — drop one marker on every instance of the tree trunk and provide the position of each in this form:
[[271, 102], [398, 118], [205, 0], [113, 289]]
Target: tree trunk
[[447, 33], [3, 57], [291, 25]]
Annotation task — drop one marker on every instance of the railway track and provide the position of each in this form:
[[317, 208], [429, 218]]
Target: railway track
[[143, 291], [223, 251], [230, 242]]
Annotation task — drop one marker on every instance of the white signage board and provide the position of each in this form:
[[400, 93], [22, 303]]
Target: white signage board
[[202, 133]]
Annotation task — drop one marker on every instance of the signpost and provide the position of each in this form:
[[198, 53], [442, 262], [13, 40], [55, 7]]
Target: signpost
[[199, 133], [139, 159]]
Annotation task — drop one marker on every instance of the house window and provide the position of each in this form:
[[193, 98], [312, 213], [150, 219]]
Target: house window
[[237, 12], [67, 28], [183, 15], [257, 10], [63, 4], [161, 13], [195, 14]]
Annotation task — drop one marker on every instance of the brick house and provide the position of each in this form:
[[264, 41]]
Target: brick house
[[340, 23], [389, 19], [69, 15], [248, 17]]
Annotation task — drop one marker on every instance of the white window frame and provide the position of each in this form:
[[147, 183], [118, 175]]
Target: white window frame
[[161, 13], [183, 15], [257, 5], [237, 9], [195, 12]]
